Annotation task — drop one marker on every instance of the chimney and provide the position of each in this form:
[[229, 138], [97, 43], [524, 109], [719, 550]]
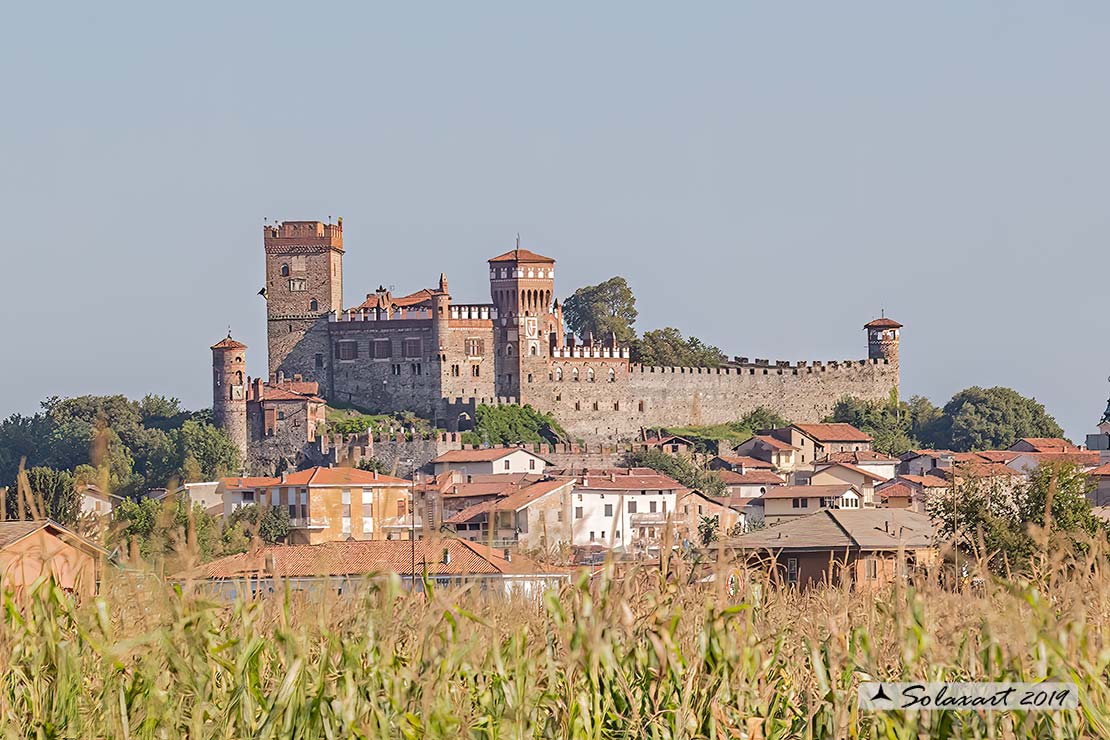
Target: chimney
[[283, 477], [507, 553], [446, 556]]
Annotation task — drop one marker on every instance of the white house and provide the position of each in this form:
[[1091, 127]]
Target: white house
[[97, 502], [491, 461], [616, 510]]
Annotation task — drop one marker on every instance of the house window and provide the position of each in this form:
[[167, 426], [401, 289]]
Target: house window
[[618, 534], [414, 347], [792, 570], [298, 285], [608, 510], [248, 496], [346, 350], [292, 511], [559, 515], [651, 507], [577, 512], [346, 503], [872, 569], [531, 463], [592, 537], [383, 348], [506, 465], [475, 371], [281, 416], [631, 507], [805, 503], [796, 503], [475, 348]]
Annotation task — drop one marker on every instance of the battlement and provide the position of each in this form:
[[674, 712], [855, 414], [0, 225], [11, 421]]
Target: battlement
[[586, 352], [479, 311], [398, 313], [290, 234], [743, 366]]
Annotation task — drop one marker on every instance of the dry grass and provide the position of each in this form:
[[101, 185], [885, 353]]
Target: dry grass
[[646, 655]]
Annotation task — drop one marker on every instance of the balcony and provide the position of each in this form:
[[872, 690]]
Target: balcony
[[648, 519], [306, 523]]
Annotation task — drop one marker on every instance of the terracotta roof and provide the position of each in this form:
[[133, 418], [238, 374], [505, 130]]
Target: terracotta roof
[[15, 530], [471, 512], [319, 476], [1100, 470], [366, 557], [925, 481], [926, 453], [898, 489], [591, 472], [750, 478], [864, 529], [1083, 458], [858, 457], [1049, 444], [248, 482], [773, 442], [481, 455], [847, 466], [834, 432], [520, 255], [271, 393], [808, 491], [525, 496], [745, 461], [385, 300], [883, 323], [228, 343], [986, 469], [630, 483]]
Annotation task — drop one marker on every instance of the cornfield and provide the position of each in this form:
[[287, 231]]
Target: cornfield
[[654, 653]]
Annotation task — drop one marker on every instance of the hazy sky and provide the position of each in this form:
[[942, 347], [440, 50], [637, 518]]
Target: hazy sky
[[766, 175]]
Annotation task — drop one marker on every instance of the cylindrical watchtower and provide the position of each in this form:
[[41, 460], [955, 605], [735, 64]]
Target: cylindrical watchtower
[[229, 392], [882, 339]]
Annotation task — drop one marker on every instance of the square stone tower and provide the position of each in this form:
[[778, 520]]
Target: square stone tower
[[522, 285], [304, 284]]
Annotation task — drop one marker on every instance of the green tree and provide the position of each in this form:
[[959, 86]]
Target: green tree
[[668, 348], [763, 418], [888, 422], [680, 468], [991, 418], [609, 307], [205, 452], [708, 527], [372, 464], [509, 424], [53, 495], [169, 529], [268, 523]]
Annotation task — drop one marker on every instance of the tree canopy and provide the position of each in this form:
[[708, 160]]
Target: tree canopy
[[124, 446], [508, 425], [679, 468], [667, 347], [609, 307]]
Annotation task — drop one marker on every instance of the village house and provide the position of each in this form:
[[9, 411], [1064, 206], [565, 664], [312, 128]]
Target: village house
[[95, 501], [670, 444], [345, 566], [813, 441], [333, 504], [783, 503], [910, 491], [239, 491], [615, 509], [693, 505], [832, 474], [1043, 444], [739, 463], [876, 463], [535, 516], [864, 548], [452, 492], [1027, 462], [490, 461], [749, 484], [782, 456], [32, 549]]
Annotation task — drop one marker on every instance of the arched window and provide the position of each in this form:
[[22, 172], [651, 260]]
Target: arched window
[[285, 270], [590, 375], [612, 376], [574, 374], [558, 373], [313, 305], [239, 377], [534, 350], [509, 351]]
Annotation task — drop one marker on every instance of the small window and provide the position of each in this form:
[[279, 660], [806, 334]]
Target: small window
[[612, 376], [574, 374], [640, 406], [319, 360], [608, 510], [531, 463], [631, 507], [558, 373], [506, 465], [285, 270], [454, 371], [395, 369], [651, 507], [346, 350], [590, 375], [475, 371], [792, 570], [313, 305], [577, 512], [872, 569]]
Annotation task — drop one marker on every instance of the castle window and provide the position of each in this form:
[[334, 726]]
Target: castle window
[[285, 270], [595, 405], [475, 347], [529, 377], [641, 407], [346, 350], [313, 305], [558, 373], [395, 369], [574, 375], [298, 285], [590, 375], [454, 371], [577, 405], [413, 347], [616, 405], [281, 416], [383, 349], [612, 376], [319, 360], [475, 371]]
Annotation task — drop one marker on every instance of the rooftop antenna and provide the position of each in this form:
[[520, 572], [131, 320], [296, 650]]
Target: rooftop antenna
[[518, 240], [882, 313]]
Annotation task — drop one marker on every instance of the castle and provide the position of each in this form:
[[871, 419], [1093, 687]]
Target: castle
[[424, 352]]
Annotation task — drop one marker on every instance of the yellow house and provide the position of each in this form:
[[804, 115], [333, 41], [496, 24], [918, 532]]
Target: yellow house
[[843, 473], [337, 504], [32, 549]]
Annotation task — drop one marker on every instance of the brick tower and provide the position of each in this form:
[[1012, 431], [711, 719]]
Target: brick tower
[[229, 392], [304, 284], [882, 339], [522, 285]]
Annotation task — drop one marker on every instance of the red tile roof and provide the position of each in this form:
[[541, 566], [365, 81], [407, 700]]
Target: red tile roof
[[248, 482], [745, 461], [834, 432], [385, 300], [1082, 458], [319, 476], [1002, 456], [808, 491], [228, 343], [367, 557], [630, 483], [271, 393], [481, 455], [1101, 470], [773, 442], [898, 489], [521, 255], [1049, 444], [525, 496], [883, 323], [858, 457], [925, 481], [853, 468], [750, 478]]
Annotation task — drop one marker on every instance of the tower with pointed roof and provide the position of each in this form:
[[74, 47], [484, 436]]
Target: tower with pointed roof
[[882, 339], [522, 285], [229, 392]]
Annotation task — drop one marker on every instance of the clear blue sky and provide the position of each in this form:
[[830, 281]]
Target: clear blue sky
[[766, 175]]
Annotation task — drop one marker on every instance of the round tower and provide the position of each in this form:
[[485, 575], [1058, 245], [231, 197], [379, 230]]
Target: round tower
[[441, 320], [882, 339], [229, 392]]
